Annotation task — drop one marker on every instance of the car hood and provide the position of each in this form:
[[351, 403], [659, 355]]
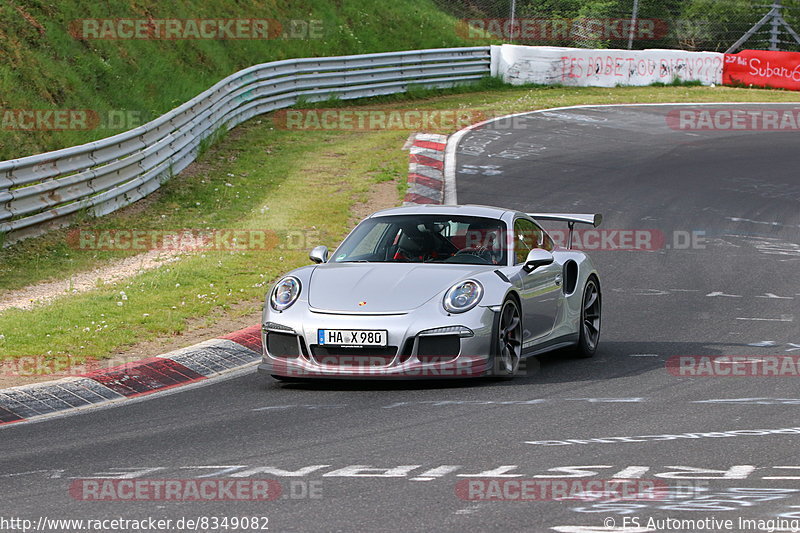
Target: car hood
[[382, 287]]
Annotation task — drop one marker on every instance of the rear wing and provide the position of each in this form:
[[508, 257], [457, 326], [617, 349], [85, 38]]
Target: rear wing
[[571, 219]]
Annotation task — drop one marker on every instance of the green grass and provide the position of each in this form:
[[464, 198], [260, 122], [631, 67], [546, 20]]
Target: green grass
[[677, 82], [42, 66], [301, 181]]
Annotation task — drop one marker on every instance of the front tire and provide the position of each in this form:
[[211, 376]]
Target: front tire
[[508, 341], [589, 325]]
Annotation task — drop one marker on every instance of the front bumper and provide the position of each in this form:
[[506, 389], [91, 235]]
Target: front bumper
[[421, 345]]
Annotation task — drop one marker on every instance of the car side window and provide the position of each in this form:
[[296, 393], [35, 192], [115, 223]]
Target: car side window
[[528, 236], [525, 239], [546, 241]]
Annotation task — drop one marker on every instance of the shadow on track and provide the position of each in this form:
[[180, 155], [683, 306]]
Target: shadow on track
[[612, 360]]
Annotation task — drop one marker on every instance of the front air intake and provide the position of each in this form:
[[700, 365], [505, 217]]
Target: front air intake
[[438, 348], [283, 345]]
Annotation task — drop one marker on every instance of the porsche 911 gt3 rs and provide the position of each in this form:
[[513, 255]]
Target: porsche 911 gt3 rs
[[434, 292]]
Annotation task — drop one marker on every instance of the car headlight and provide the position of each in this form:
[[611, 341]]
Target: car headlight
[[284, 293], [463, 296]]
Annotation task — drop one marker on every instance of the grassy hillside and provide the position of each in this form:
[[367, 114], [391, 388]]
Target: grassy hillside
[[43, 66]]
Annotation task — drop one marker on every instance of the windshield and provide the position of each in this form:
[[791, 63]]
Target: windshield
[[425, 239]]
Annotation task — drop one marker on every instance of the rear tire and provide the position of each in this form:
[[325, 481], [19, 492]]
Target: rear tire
[[589, 325]]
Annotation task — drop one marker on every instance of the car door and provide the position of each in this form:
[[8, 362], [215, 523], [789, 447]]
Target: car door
[[541, 288]]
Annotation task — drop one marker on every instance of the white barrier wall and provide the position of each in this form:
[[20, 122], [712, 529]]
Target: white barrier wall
[[548, 65]]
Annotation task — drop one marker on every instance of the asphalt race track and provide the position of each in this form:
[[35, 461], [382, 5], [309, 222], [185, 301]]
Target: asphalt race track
[[722, 212]]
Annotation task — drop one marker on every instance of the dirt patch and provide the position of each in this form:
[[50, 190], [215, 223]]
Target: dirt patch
[[118, 270], [382, 195], [44, 293]]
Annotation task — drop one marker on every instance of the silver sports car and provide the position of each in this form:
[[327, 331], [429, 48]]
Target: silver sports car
[[433, 292]]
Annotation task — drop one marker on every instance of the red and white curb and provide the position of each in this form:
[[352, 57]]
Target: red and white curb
[[426, 169], [196, 363]]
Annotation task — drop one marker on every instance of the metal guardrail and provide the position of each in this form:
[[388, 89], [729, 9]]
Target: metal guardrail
[[45, 191]]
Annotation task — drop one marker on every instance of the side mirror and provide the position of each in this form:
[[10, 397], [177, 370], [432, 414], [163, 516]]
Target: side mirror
[[536, 258], [319, 254]]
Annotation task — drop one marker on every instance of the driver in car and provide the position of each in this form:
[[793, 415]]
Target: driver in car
[[484, 242]]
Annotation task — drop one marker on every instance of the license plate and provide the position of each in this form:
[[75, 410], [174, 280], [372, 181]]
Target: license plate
[[352, 337]]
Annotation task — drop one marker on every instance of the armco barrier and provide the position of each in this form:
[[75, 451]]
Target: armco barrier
[[603, 68], [763, 68], [44, 191]]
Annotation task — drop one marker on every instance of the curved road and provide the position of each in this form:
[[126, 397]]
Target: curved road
[[722, 212]]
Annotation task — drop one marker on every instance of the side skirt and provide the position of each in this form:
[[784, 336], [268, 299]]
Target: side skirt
[[556, 343]]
